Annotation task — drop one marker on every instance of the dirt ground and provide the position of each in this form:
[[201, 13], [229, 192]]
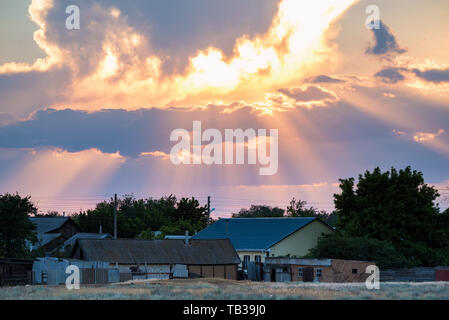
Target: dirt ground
[[212, 289]]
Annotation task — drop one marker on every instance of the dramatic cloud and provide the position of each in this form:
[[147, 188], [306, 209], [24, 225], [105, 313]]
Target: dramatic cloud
[[385, 42], [112, 62], [95, 115]]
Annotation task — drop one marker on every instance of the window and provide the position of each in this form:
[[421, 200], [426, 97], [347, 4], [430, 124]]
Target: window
[[300, 274], [355, 271], [319, 272], [246, 260], [258, 259]]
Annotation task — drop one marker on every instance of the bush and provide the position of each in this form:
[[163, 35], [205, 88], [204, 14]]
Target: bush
[[338, 247]]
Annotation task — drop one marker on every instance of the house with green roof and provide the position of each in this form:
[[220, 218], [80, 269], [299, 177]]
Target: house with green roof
[[257, 238]]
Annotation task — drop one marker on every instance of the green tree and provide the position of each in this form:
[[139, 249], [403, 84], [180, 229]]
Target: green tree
[[139, 217], [382, 253], [15, 226], [259, 211], [298, 208], [190, 210], [397, 207], [180, 227], [48, 214]]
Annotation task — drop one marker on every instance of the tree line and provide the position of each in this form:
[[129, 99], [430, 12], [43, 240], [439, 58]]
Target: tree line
[[389, 217]]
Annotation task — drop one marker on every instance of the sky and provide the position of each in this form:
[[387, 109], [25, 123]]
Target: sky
[[88, 113]]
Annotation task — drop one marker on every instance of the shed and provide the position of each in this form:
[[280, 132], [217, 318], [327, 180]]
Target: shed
[[15, 272], [282, 269], [160, 258]]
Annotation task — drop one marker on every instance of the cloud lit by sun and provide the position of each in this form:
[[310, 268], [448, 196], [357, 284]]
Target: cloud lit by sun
[[92, 109], [130, 73]]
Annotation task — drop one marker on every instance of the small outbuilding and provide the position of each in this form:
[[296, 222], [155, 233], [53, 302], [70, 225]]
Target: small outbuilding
[[163, 259], [15, 272], [284, 269]]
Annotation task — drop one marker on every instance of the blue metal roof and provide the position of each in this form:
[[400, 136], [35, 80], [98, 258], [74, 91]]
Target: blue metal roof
[[253, 233]]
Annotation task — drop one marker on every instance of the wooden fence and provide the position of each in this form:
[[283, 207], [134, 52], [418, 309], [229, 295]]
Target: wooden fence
[[15, 272], [408, 275], [94, 276]]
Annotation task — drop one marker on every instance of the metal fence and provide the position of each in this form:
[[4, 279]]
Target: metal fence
[[52, 271]]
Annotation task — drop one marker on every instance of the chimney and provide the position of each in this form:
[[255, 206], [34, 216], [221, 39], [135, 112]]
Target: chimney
[[227, 228], [63, 213], [186, 240], [101, 229]]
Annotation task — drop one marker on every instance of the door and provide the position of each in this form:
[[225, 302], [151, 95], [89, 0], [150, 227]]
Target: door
[[273, 275], [308, 274]]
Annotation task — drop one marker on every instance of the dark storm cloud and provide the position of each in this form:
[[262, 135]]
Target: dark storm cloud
[[384, 42]]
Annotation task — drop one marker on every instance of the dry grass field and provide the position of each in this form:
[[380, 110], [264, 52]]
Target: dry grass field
[[211, 289]]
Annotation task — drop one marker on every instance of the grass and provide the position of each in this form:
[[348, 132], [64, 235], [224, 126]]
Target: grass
[[217, 289]]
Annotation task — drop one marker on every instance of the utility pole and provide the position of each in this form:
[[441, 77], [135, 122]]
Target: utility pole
[[115, 216], [208, 209]]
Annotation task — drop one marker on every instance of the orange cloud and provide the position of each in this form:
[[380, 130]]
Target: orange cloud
[[127, 72]]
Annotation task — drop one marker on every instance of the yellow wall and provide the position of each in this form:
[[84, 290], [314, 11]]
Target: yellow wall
[[299, 243], [252, 254]]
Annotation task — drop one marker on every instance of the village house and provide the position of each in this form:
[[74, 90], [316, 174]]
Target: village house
[[254, 239], [285, 269], [162, 259], [52, 232]]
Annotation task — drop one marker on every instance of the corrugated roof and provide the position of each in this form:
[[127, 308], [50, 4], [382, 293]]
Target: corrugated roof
[[83, 235], [135, 251], [253, 233], [44, 225], [47, 238]]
